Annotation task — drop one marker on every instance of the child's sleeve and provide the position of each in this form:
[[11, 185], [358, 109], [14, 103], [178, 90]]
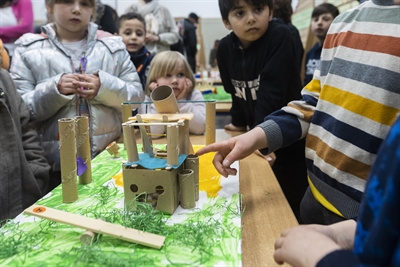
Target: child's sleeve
[[124, 86], [294, 119], [29, 137], [197, 125], [43, 99]]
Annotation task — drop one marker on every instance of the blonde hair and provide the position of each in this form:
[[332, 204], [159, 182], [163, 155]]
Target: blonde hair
[[51, 3], [166, 62]]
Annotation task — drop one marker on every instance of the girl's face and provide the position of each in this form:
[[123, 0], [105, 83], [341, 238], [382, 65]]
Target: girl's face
[[177, 80], [71, 18]]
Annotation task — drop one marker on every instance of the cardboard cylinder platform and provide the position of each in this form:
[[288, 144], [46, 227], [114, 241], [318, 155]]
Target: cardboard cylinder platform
[[186, 185], [66, 128], [130, 142], [83, 147], [192, 163]]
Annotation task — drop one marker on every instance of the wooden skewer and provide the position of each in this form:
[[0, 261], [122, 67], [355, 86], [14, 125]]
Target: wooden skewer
[[97, 226]]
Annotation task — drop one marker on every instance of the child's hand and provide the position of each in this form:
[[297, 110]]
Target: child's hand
[[66, 84], [88, 85], [183, 93], [152, 86]]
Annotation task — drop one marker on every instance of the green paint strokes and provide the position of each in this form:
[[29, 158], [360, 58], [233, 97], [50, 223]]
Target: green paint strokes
[[206, 237]]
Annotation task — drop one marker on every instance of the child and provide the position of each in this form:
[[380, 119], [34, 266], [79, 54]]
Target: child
[[345, 113], [374, 240], [132, 28], [321, 19], [171, 68], [258, 67], [24, 170], [213, 54], [72, 69]]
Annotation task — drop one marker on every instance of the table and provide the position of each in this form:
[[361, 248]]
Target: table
[[266, 214]]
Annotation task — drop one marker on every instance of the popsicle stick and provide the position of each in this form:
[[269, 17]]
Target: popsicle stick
[[97, 226]]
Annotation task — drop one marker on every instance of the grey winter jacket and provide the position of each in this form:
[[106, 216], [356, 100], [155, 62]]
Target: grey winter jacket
[[37, 66], [24, 170]]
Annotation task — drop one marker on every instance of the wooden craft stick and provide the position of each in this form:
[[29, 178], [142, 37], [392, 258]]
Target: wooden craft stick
[[83, 147], [210, 122], [66, 128], [97, 226]]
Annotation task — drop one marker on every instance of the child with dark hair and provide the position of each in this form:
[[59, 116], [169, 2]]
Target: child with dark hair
[[132, 28], [257, 67], [345, 114], [322, 17]]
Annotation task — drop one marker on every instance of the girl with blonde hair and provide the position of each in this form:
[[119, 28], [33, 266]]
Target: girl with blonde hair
[[171, 68]]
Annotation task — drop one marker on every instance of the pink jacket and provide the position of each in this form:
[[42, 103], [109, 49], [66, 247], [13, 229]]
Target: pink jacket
[[24, 14]]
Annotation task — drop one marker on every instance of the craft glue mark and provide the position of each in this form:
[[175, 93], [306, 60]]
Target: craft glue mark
[[39, 209]]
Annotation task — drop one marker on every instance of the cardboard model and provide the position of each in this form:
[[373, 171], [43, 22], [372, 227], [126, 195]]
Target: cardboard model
[[160, 177]]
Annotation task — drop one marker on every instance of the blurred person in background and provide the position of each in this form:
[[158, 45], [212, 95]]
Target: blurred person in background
[[16, 18], [161, 31]]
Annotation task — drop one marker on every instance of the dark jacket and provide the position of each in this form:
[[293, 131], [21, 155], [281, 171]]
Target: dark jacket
[[142, 59], [262, 78], [24, 171], [313, 59], [190, 43]]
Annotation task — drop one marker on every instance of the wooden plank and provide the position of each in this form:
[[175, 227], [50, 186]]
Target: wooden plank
[[266, 211], [97, 226]]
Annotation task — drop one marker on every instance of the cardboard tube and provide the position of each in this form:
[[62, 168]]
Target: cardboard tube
[[66, 128], [126, 110], [83, 147], [186, 184], [113, 149], [130, 143], [172, 145], [164, 100], [192, 163], [210, 122], [185, 146]]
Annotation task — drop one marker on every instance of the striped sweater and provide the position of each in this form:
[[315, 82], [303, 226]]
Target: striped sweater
[[347, 109]]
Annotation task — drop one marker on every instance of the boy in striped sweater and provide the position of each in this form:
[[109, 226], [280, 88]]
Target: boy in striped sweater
[[344, 114]]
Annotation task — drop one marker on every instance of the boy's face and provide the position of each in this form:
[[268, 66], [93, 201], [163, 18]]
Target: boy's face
[[133, 34], [248, 22], [71, 18], [320, 25]]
